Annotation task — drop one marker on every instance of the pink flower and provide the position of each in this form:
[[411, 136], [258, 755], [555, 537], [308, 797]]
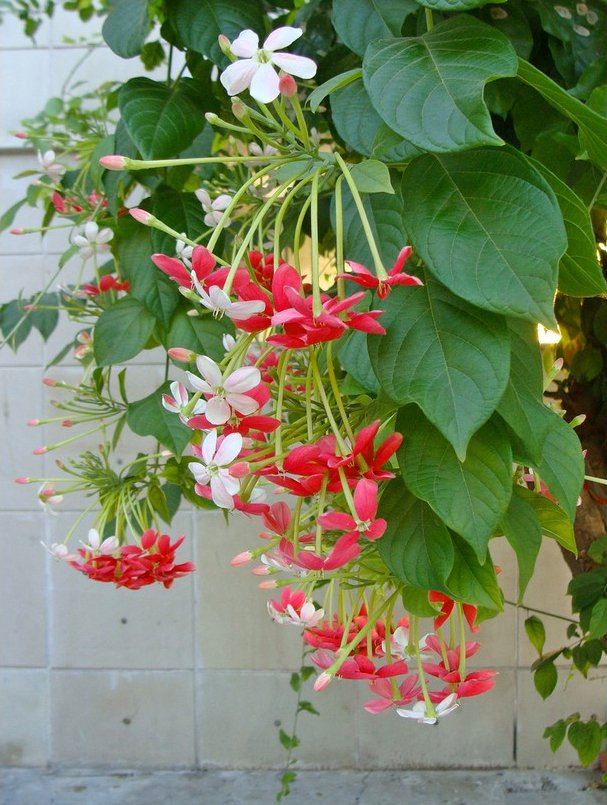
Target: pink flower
[[255, 70], [365, 504], [213, 468], [226, 395], [395, 276], [408, 690], [295, 609], [93, 240], [179, 402]]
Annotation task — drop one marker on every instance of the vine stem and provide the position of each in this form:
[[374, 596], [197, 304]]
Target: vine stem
[[539, 611]]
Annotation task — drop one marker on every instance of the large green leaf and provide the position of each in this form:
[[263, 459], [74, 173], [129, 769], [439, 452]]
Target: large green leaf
[[416, 545], [562, 464], [586, 737], [554, 522], [148, 284], [522, 529], [122, 331], [445, 355], [126, 27], [365, 20], [359, 125], [354, 357], [148, 417], [521, 406], [593, 127], [198, 23], [470, 496], [472, 582], [181, 211], [489, 227], [385, 215], [430, 88], [161, 120], [579, 270], [202, 334]]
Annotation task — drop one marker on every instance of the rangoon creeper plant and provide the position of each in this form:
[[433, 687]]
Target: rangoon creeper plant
[[401, 415]]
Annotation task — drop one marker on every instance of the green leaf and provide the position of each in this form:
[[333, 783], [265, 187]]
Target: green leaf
[[545, 678], [429, 88], [181, 211], [562, 464], [8, 217], [359, 23], [471, 496], [587, 588], [556, 732], [455, 5], [592, 126], [148, 284], [385, 214], [359, 125], [148, 417], [598, 619], [415, 601], [15, 322], [522, 529], [202, 334], [126, 27], [586, 738], [45, 321], [554, 522], [579, 270], [288, 741], [536, 633], [489, 227], [354, 358], [161, 120], [122, 331], [513, 24], [472, 582], [307, 707], [416, 546], [443, 354], [198, 23], [371, 176], [317, 96]]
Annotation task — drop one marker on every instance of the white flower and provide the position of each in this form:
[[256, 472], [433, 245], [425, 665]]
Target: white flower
[[255, 70], [48, 499], [213, 209], [419, 713], [308, 616], [226, 393], [52, 169], [184, 253], [93, 240], [257, 151], [220, 303], [179, 401], [95, 545], [213, 468], [59, 550]]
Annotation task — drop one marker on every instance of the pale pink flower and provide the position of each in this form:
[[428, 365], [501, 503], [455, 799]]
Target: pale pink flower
[[184, 253], [48, 498], [217, 301], [96, 545], [213, 209], [54, 170], [255, 70], [226, 393], [92, 240], [419, 713], [213, 468], [179, 402]]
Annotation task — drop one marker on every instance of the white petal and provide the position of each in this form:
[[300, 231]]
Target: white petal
[[218, 411], [229, 449], [80, 241], [209, 370], [209, 446], [238, 311], [198, 384], [221, 202], [231, 485], [245, 44], [204, 198], [209, 220], [221, 497], [104, 236], [243, 404], [219, 298], [238, 76], [243, 379], [90, 231], [94, 538], [300, 66], [282, 38], [264, 84], [200, 473], [170, 406]]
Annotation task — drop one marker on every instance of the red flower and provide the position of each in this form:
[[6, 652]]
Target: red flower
[[365, 504], [395, 276], [107, 283], [447, 605]]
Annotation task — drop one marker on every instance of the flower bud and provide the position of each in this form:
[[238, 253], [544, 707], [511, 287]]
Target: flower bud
[[241, 559], [67, 423], [287, 85], [48, 381], [31, 423], [113, 162], [268, 585], [22, 479], [239, 110], [21, 135], [240, 470], [224, 45], [260, 570], [16, 231], [181, 354], [40, 451], [211, 118], [143, 216], [322, 680]]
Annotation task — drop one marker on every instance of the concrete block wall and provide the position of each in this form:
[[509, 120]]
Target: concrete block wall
[[196, 675]]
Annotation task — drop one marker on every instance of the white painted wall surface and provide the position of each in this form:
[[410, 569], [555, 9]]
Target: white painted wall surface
[[196, 675]]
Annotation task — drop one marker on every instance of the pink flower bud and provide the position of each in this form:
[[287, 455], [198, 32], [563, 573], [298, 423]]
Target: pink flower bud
[[31, 423], [240, 470], [558, 364], [142, 216], [181, 354], [48, 381], [241, 559], [21, 135], [29, 308], [16, 231], [239, 110], [287, 86], [260, 570], [22, 479], [67, 423], [322, 680], [113, 162], [267, 585], [224, 44], [40, 451]]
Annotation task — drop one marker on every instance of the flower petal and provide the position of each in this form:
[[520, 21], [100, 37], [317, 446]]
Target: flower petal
[[243, 379], [228, 449], [299, 66], [217, 411], [237, 76], [221, 497], [209, 370], [365, 499], [242, 403], [264, 84], [280, 38], [208, 447], [198, 384], [245, 44], [204, 198], [221, 202]]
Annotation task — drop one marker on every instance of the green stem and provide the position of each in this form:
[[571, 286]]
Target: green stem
[[429, 19], [316, 300]]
